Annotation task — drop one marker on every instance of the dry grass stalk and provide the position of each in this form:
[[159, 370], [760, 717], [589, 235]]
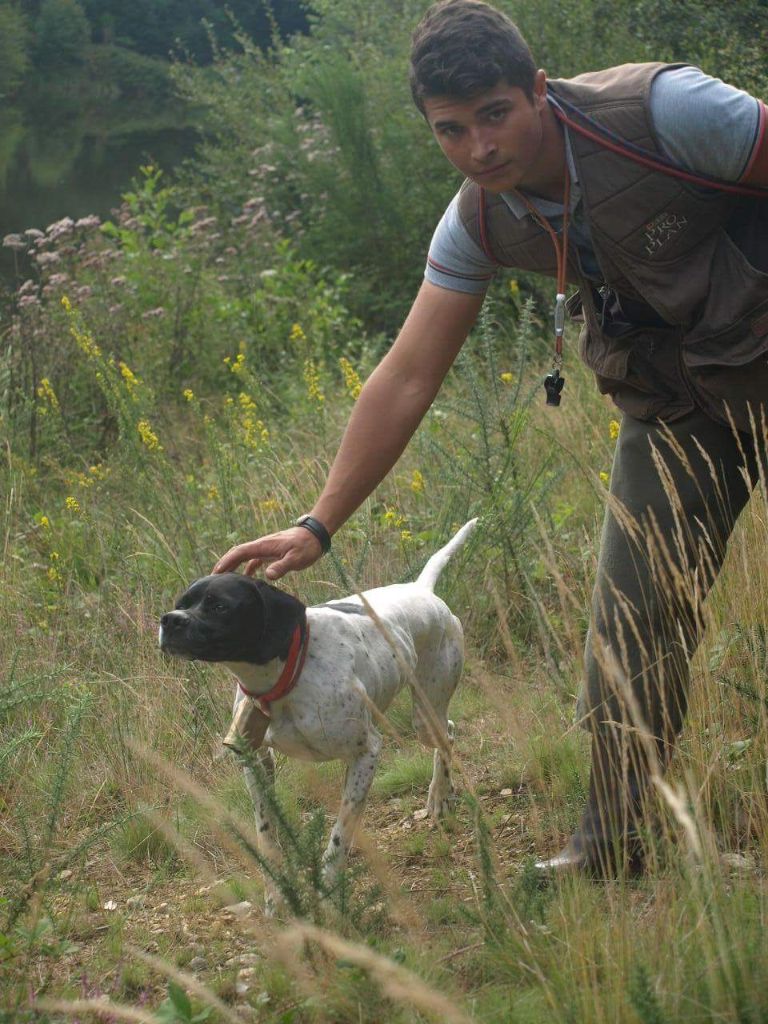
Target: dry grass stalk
[[97, 1007], [396, 982]]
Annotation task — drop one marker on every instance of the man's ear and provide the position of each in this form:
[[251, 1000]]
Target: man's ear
[[540, 89]]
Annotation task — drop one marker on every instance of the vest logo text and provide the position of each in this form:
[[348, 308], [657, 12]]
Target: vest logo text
[[661, 229]]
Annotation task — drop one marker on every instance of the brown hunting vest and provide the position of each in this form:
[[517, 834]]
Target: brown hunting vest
[[696, 259]]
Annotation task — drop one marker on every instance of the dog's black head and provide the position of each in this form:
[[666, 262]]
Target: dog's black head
[[231, 617]]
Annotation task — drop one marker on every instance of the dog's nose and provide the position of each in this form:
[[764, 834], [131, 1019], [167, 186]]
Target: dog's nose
[[171, 620]]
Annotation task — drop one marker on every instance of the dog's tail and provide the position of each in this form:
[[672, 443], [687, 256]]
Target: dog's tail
[[431, 571]]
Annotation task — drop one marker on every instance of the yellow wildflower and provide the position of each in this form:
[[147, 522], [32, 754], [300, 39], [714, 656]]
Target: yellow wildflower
[[189, 394], [297, 334], [213, 492], [269, 505], [246, 402], [604, 477], [393, 518], [72, 504], [130, 378], [417, 482], [54, 576], [255, 434], [405, 535], [46, 393], [83, 337], [507, 377], [100, 472], [236, 365], [44, 522], [229, 400], [351, 378], [613, 429], [312, 380], [148, 436]]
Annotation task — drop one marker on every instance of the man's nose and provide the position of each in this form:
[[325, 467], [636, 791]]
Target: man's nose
[[483, 145]]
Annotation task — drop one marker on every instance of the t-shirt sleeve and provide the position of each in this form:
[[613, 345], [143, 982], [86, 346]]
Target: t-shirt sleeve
[[702, 123], [455, 261]]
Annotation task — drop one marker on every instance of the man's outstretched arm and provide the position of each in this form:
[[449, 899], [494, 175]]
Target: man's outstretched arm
[[390, 407]]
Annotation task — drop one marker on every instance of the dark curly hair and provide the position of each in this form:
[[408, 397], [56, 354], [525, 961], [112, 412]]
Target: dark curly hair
[[463, 47]]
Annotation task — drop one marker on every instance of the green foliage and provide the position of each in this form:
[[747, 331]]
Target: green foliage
[[129, 75], [178, 1008], [643, 998], [299, 877], [62, 34], [14, 43], [727, 41], [323, 129]]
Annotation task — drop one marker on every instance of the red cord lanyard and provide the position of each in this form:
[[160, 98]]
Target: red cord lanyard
[[554, 382]]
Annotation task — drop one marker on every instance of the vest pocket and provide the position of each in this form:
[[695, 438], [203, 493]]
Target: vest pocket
[[640, 369], [732, 329]]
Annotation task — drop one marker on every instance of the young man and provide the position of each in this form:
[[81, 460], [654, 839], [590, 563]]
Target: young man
[[569, 178]]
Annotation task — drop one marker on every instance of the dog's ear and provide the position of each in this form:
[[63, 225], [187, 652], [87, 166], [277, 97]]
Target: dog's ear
[[283, 613]]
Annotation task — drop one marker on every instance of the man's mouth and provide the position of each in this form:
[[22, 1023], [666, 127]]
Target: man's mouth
[[493, 171]]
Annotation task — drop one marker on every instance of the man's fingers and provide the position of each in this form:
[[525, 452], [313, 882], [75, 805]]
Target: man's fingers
[[292, 549], [243, 553], [278, 569]]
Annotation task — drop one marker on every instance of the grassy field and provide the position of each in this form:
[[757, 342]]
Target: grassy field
[[129, 890]]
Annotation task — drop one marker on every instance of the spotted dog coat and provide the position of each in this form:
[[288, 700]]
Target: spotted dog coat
[[360, 652]]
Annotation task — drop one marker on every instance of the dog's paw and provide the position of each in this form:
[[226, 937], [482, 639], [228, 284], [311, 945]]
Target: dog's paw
[[440, 804], [274, 905]]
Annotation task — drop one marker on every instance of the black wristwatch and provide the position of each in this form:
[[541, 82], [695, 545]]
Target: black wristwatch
[[316, 527]]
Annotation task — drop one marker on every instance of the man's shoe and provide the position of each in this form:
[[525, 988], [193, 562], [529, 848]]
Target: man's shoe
[[595, 857]]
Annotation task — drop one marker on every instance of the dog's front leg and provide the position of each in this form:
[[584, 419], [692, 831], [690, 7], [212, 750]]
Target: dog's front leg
[[269, 848], [358, 781]]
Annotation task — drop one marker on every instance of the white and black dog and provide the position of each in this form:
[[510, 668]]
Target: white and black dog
[[319, 673]]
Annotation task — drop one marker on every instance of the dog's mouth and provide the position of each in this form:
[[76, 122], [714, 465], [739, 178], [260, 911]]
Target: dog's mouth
[[188, 642], [172, 647]]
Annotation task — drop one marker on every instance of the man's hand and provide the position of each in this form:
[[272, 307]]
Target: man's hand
[[292, 549]]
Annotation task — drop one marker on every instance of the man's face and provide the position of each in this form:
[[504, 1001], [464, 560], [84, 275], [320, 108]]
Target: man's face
[[495, 138]]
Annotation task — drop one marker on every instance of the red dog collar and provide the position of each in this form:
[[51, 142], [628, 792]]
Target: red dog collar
[[291, 670]]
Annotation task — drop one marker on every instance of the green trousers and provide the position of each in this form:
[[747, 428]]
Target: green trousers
[[676, 491]]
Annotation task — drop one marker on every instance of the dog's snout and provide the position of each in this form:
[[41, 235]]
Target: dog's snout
[[172, 620]]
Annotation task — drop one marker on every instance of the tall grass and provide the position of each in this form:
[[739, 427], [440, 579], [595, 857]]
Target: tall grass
[[92, 559]]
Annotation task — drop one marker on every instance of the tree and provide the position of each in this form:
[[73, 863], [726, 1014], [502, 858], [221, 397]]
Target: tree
[[62, 34], [14, 43]]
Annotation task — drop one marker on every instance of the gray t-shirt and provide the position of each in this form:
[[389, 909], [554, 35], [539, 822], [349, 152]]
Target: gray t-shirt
[[701, 123]]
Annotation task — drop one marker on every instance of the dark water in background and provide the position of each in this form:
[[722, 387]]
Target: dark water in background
[[54, 167]]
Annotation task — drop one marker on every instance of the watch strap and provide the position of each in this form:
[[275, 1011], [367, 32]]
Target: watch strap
[[316, 527]]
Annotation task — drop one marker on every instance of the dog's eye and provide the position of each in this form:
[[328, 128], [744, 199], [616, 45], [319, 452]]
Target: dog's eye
[[215, 607]]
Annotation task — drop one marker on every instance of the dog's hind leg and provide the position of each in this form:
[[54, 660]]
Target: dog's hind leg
[[430, 716], [356, 785], [440, 736], [269, 849]]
